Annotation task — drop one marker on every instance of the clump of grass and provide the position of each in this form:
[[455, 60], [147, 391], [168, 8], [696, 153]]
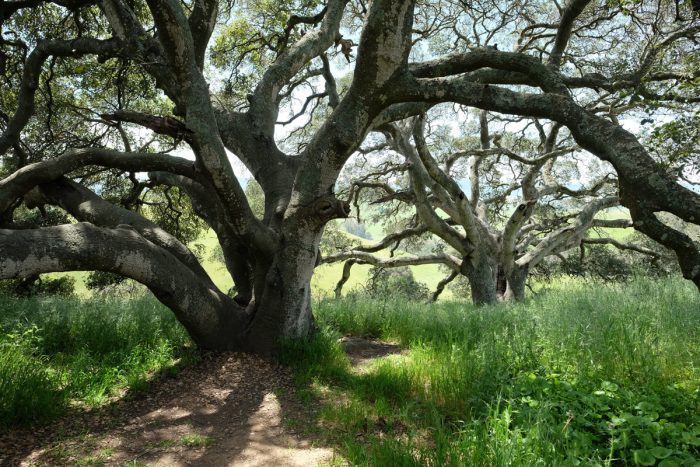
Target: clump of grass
[[54, 351], [575, 375], [27, 390], [195, 441]]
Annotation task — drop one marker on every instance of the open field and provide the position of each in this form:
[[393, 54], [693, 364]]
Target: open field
[[597, 375]]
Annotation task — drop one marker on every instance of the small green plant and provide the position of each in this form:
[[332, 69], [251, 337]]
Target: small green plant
[[195, 441], [135, 463], [161, 444]]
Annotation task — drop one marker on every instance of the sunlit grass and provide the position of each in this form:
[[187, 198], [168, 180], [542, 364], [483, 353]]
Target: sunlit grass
[[58, 351], [582, 373]]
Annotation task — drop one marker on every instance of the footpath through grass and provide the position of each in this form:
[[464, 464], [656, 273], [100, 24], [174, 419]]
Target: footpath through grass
[[580, 375], [55, 352]]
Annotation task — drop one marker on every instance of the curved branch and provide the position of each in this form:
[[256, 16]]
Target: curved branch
[[467, 217], [26, 178], [86, 206], [501, 151], [572, 11], [485, 57], [173, 30], [32, 72], [621, 245], [442, 284], [208, 207], [202, 22], [419, 178], [612, 223], [162, 125], [393, 238], [686, 251], [448, 260], [338, 291], [568, 236], [210, 317]]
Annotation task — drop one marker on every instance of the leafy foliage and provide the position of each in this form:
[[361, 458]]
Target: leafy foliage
[[63, 286], [395, 283]]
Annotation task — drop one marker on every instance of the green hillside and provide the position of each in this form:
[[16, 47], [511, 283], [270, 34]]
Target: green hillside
[[325, 277]]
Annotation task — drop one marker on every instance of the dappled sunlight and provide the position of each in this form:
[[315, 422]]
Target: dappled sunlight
[[230, 409]]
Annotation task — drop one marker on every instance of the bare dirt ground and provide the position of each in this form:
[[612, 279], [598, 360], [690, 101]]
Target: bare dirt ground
[[229, 409]]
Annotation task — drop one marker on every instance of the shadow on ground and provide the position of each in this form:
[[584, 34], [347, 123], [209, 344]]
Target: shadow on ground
[[361, 350], [229, 409]]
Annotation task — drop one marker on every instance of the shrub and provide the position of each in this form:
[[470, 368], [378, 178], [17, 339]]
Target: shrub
[[395, 283], [100, 280], [63, 286]]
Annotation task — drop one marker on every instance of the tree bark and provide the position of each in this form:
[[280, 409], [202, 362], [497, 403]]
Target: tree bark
[[283, 309], [480, 270], [515, 285]]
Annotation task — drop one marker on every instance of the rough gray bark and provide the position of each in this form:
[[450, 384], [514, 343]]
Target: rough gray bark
[[481, 272], [515, 285]]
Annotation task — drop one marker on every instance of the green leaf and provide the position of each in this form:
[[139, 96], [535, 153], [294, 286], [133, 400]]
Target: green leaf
[[669, 463], [644, 457], [661, 452]]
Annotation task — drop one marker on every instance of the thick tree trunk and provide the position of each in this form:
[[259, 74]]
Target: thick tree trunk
[[481, 273], [282, 305], [515, 288]]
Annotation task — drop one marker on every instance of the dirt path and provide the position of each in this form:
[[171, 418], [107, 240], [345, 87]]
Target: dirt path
[[229, 409]]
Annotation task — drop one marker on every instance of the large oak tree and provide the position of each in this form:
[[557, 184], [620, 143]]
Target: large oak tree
[[399, 69]]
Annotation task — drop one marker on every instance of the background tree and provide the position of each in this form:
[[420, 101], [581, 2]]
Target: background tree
[[397, 70], [526, 201]]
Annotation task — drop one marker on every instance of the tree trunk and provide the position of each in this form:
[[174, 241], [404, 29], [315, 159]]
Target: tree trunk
[[515, 288], [501, 283], [481, 273], [283, 309]]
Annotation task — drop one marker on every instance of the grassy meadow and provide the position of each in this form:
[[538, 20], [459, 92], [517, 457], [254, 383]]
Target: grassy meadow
[[580, 374]]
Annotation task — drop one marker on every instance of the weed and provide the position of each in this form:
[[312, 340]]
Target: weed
[[161, 444], [195, 441]]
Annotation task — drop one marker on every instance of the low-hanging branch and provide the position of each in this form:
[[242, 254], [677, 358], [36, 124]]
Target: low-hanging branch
[[24, 179], [621, 246]]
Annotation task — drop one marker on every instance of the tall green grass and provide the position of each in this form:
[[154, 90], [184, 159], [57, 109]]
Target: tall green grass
[[55, 352], [578, 375]]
